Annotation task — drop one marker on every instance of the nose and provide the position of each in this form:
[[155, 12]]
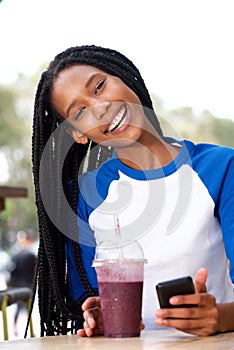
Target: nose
[[100, 110]]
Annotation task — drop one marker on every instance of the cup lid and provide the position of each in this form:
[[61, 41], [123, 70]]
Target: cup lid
[[119, 262], [132, 250]]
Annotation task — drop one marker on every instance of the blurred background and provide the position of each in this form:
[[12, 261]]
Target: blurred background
[[183, 49]]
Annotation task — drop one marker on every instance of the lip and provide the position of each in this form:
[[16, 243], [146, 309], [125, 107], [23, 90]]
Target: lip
[[125, 118]]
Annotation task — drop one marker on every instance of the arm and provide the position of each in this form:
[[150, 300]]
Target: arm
[[226, 319], [206, 318]]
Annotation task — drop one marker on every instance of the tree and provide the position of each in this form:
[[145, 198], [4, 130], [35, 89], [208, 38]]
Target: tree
[[183, 123], [15, 145]]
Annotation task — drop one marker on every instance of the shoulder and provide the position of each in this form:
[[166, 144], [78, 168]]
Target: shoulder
[[210, 153], [109, 169], [95, 184], [214, 164]]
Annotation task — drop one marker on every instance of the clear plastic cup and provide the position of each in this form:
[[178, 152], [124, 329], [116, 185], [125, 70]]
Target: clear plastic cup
[[120, 283]]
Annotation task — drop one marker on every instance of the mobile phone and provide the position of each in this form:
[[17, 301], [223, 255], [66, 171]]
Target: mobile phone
[[179, 286]]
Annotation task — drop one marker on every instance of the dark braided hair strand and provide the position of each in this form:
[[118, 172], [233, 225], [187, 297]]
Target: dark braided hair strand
[[58, 311]]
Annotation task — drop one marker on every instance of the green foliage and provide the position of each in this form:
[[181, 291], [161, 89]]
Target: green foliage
[[15, 145], [8, 118], [182, 123], [221, 129]]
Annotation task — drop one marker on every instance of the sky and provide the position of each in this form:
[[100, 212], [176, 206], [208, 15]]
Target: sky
[[183, 48]]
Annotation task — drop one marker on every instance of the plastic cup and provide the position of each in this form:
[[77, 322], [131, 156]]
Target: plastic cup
[[120, 284]]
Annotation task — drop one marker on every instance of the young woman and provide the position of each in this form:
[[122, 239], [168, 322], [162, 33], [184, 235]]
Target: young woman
[[98, 149]]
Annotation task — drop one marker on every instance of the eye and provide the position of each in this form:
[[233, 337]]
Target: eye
[[79, 113], [99, 86]]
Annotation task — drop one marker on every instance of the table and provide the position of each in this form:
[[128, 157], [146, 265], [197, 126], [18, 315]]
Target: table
[[155, 340], [11, 192]]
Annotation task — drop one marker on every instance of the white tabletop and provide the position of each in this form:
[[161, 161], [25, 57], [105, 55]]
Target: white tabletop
[[155, 340]]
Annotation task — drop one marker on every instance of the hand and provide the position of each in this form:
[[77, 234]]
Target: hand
[[93, 318], [202, 319]]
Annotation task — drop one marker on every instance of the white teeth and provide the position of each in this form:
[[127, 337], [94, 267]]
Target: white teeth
[[119, 119]]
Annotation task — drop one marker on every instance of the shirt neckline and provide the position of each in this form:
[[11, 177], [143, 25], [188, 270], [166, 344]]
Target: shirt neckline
[[182, 158]]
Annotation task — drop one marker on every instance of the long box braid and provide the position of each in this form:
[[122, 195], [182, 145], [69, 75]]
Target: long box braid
[[58, 311]]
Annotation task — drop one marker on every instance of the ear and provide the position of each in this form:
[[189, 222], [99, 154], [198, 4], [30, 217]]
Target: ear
[[77, 136]]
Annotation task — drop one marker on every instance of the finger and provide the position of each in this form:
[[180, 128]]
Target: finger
[[198, 299], [189, 299], [206, 300], [205, 307], [90, 330], [91, 316], [194, 326], [81, 333], [175, 313], [200, 280], [90, 303], [86, 331]]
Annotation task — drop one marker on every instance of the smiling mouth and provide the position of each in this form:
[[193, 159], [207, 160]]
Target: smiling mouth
[[118, 120]]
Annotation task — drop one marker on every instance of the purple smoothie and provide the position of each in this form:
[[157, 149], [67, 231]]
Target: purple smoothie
[[121, 304]]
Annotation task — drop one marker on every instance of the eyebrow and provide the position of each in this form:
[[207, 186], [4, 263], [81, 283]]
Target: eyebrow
[[87, 85], [91, 78], [70, 107]]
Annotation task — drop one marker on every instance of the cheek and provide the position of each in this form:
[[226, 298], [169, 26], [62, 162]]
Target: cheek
[[121, 91], [87, 126], [131, 96], [93, 133]]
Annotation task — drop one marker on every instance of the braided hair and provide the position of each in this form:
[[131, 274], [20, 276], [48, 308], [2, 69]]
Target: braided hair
[[58, 311]]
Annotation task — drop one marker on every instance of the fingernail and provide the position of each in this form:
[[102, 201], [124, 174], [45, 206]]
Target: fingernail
[[174, 300], [89, 320], [160, 313], [159, 321]]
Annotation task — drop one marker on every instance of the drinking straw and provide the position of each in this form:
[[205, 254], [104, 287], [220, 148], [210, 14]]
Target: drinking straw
[[118, 234]]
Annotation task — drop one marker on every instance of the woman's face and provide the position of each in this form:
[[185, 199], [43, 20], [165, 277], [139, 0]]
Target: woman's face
[[98, 105]]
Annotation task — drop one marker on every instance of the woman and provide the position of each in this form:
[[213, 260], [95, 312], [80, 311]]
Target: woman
[[94, 118]]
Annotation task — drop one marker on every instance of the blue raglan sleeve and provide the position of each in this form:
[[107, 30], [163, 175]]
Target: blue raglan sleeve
[[215, 165], [225, 210], [86, 241]]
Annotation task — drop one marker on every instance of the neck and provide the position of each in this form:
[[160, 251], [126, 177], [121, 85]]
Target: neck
[[151, 153]]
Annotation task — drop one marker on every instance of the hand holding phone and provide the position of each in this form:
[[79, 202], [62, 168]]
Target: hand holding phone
[[180, 286]]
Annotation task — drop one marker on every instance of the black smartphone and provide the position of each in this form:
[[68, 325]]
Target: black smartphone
[[180, 286]]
